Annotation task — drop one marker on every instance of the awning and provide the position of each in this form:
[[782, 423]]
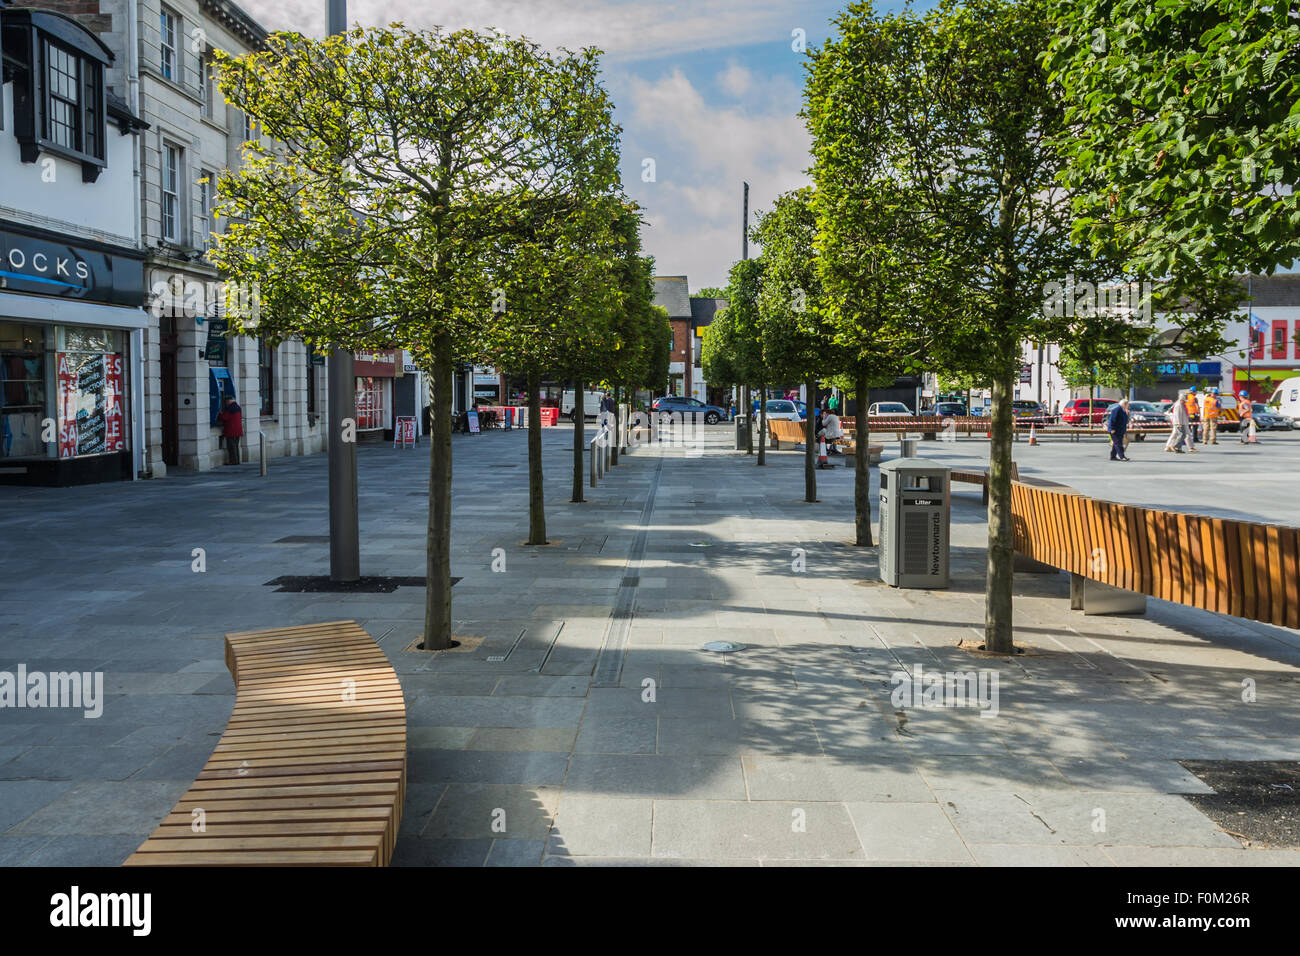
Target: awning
[[53, 309]]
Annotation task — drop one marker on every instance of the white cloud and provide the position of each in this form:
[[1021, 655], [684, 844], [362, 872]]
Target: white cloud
[[736, 80], [626, 29], [703, 154]]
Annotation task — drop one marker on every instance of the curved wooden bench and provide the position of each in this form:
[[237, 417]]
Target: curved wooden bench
[[1240, 568], [312, 767]]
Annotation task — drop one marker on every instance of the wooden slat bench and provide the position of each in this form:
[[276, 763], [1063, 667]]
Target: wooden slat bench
[[1240, 568], [311, 769], [979, 476]]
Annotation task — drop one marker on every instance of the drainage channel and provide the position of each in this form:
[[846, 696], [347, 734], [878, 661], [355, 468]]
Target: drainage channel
[[609, 665]]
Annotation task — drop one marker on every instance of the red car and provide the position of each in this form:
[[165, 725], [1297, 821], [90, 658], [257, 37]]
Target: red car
[[1078, 412]]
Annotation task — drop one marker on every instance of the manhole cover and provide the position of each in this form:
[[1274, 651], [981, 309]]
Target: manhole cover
[[723, 647]]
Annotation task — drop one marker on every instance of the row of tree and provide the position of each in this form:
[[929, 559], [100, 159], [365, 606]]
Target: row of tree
[[970, 159], [453, 194]]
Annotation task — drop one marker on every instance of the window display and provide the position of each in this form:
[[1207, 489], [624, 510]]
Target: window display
[[89, 369], [22, 390]]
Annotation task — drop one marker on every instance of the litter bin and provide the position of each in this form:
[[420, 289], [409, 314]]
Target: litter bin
[[914, 520], [740, 433]]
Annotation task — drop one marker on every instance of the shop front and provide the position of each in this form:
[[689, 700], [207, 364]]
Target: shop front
[[375, 371], [70, 372]]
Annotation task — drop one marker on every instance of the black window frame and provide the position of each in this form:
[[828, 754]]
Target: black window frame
[[266, 378], [29, 36]]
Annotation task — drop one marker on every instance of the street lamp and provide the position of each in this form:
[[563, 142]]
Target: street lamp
[[345, 536]]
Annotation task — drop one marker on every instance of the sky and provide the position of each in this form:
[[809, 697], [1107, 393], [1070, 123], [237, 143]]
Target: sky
[[708, 90]]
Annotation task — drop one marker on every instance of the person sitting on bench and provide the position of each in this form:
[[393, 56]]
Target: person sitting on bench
[[832, 432]]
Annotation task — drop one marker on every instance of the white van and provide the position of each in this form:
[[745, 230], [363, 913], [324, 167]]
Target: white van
[[591, 399], [1286, 400]]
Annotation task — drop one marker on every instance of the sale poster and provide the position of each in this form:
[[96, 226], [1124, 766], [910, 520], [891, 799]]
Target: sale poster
[[90, 403]]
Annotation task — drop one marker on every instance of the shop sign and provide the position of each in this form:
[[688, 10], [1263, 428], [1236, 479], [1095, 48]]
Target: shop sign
[[405, 432], [1184, 371], [49, 267], [215, 348], [375, 363]]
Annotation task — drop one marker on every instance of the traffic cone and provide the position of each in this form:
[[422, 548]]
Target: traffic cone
[[1033, 434], [822, 461]]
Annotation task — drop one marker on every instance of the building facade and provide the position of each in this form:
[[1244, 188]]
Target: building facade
[[115, 101], [72, 324]]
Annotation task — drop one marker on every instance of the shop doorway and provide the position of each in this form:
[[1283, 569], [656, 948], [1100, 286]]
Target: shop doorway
[[171, 446]]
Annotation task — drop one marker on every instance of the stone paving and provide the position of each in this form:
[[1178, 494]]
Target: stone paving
[[789, 751]]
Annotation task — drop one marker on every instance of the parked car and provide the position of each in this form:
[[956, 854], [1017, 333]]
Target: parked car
[[1085, 411], [1268, 420], [1027, 408], [591, 398], [947, 409], [1146, 413], [688, 406], [889, 410], [783, 409]]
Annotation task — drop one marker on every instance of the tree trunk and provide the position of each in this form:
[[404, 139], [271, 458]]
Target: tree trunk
[[749, 421], [579, 433], [862, 467], [437, 598], [762, 424], [809, 462], [536, 498], [613, 452], [997, 612]]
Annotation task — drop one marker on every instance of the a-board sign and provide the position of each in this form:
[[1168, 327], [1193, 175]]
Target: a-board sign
[[473, 423], [404, 433]]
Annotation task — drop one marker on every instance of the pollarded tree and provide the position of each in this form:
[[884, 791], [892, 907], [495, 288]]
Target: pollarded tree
[[744, 326], [797, 340], [550, 284], [873, 250], [963, 113], [408, 156]]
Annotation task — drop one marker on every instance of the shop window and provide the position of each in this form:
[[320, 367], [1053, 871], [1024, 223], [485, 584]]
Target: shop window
[[205, 85], [167, 45], [90, 374], [371, 403], [171, 196], [23, 407], [205, 184], [266, 377], [311, 383]]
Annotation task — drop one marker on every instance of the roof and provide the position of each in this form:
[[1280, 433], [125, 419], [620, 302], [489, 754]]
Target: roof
[[672, 293], [236, 21], [703, 309]]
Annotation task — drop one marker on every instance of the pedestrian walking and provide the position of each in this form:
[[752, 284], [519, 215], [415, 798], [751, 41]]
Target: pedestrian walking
[[1193, 417], [232, 429], [1180, 423], [1246, 412], [1117, 425], [1211, 405]]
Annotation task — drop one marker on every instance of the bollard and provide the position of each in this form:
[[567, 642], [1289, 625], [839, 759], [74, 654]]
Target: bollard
[[261, 451], [907, 447], [592, 467]]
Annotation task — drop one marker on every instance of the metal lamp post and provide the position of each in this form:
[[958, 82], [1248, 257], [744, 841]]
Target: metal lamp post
[[345, 537]]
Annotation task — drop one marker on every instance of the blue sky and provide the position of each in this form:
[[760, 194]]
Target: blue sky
[[709, 90]]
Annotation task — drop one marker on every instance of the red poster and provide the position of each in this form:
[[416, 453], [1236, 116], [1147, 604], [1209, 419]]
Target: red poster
[[67, 406], [113, 437]]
